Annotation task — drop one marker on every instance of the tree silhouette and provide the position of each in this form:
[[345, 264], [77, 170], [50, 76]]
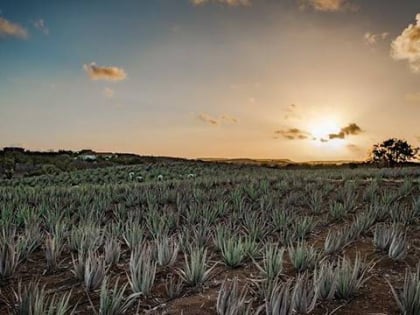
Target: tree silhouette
[[393, 151]]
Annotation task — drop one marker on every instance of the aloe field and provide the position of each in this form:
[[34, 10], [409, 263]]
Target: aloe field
[[192, 237]]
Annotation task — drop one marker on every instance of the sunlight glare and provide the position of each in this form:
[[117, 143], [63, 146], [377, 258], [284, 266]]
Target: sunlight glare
[[322, 129]]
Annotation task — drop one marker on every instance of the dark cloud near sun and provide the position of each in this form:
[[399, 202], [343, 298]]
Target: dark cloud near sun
[[350, 130], [104, 73], [10, 29], [292, 134]]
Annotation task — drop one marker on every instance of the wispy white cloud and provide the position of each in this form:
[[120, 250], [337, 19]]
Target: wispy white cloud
[[10, 29], [232, 3], [328, 5], [407, 45], [108, 92], [372, 38], [41, 26]]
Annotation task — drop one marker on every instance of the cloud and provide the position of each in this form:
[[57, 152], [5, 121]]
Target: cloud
[[292, 134], [351, 129], [104, 73], [292, 112], [413, 97], [227, 119], [108, 92], [372, 39], [353, 147], [407, 45], [9, 29], [232, 3], [328, 5], [41, 26]]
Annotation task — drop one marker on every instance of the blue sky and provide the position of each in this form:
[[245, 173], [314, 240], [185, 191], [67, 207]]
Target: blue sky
[[257, 78]]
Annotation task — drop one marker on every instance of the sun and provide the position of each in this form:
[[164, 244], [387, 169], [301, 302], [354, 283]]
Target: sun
[[322, 129]]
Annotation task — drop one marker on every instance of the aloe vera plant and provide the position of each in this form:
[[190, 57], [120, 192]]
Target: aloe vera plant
[[231, 300], [408, 297], [196, 270]]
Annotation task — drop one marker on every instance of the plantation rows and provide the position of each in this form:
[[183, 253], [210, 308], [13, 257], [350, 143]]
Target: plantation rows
[[228, 240]]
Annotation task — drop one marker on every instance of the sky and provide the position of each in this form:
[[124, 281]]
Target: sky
[[299, 79]]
